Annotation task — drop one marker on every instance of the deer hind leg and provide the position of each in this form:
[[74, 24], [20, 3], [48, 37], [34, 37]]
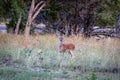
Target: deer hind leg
[[71, 53]]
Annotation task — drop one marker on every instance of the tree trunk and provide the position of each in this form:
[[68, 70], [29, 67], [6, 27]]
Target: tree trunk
[[118, 25], [34, 11], [88, 25], [29, 21], [27, 27], [18, 25], [76, 15]]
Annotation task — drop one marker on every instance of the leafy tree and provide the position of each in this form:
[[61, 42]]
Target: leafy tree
[[75, 15], [109, 14], [18, 9], [67, 16], [5, 8], [106, 13], [53, 13], [15, 10], [33, 12]]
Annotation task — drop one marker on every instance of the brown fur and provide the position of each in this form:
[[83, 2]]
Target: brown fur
[[67, 47]]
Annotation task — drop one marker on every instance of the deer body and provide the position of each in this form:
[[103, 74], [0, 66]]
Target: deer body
[[67, 47]]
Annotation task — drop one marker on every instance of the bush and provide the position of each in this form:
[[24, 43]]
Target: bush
[[5, 59]]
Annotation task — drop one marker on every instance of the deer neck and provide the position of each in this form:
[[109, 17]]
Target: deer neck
[[60, 41]]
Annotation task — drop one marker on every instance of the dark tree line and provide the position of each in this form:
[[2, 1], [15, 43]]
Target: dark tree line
[[66, 16], [75, 15]]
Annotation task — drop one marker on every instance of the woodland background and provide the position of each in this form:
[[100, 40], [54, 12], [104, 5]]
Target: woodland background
[[29, 48]]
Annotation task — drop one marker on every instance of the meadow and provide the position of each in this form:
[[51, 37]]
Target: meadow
[[94, 59]]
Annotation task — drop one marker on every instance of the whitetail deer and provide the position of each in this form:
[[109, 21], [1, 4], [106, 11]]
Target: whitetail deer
[[68, 47]]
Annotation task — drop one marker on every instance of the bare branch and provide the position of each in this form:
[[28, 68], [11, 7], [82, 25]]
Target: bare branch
[[38, 5], [37, 12]]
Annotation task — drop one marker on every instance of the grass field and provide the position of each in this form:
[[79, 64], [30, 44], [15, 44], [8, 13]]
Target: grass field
[[94, 60]]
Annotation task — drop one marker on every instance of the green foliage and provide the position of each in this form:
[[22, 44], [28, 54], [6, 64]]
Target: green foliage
[[5, 8], [7, 73], [53, 13], [87, 57], [14, 9], [11, 7], [17, 7], [106, 13], [5, 58], [105, 20], [93, 76], [12, 24], [26, 52], [108, 79]]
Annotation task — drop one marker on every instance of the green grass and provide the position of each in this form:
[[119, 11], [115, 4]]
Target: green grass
[[10, 73], [17, 63], [18, 74]]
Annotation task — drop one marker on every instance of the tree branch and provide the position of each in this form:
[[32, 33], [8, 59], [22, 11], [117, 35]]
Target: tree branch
[[37, 12], [31, 9], [38, 5]]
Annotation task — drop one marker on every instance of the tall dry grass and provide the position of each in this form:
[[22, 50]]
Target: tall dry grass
[[89, 53]]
